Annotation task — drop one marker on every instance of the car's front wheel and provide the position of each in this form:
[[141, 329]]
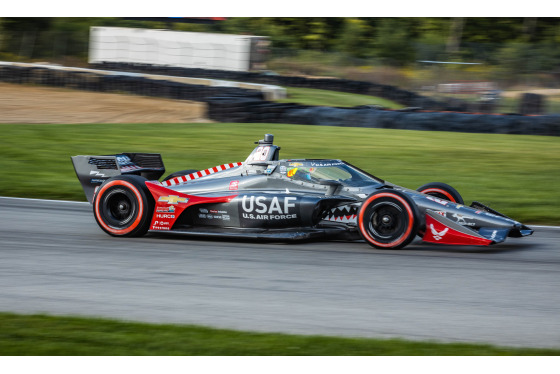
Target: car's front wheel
[[388, 219], [123, 206], [442, 191]]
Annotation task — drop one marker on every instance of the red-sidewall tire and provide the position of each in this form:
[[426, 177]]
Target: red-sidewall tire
[[442, 191], [123, 206], [388, 219]]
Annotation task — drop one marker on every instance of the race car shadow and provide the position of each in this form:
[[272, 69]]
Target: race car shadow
[[217, 239], [417, 245], [497, 248]]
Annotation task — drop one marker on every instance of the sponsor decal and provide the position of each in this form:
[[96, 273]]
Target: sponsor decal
[[233, 185], [493, 236], [437, 200], [295, 164], [261, 153], [292, 172], [283, 169], [224, 217], [269, 216], [270, 169], [438, 235], [165, 209], [326, 164], [173, 199], [162, 223], [171, 216], [485, 213], [123, 160], [441, 213], [97, 174], [263, 208], [203, 210], [461, 220], [154, 227], [97, 180], [130, 168]]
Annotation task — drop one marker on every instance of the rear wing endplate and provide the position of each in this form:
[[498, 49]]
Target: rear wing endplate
[[92, 171]]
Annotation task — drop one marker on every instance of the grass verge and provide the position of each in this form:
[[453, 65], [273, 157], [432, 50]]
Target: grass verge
[[41, 335], [309, 96], [517, 175]]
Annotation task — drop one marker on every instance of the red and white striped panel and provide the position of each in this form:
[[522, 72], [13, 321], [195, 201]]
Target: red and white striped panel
[[199, 174]]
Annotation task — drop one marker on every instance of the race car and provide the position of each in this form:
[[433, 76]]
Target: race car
[[265, 197]]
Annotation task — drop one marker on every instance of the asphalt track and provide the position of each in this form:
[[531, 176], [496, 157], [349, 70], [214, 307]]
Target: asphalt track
[[54, 259]]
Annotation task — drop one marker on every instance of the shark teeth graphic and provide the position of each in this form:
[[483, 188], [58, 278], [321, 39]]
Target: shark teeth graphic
[[344, 213]]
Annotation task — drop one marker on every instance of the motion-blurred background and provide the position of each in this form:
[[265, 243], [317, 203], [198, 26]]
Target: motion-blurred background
[[490, 60]]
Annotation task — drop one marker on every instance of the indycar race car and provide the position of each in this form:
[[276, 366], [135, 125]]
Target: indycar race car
[[265, 197]]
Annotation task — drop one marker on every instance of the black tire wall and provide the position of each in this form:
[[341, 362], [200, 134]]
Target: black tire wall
[[233, 104]]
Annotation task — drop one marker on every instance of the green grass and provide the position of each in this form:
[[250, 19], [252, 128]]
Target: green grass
[[309, 96], [40, 335], [517, 175]]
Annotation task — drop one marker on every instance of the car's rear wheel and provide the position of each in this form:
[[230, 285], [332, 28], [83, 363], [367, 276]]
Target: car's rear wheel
[[123, 206], [179, 174], [388, 219], [442, 191]]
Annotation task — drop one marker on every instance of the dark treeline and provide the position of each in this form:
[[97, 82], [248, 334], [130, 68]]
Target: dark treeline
[[511, 50], [516, 46]]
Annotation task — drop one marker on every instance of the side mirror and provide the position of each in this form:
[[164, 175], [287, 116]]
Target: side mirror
[[333, 186]]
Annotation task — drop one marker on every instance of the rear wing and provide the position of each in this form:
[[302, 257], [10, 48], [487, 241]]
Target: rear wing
[[92, 171]]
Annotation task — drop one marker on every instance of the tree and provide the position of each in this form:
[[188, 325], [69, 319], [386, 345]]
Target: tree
[[455, 34], [393, 43], [356, 38], [20, 35]]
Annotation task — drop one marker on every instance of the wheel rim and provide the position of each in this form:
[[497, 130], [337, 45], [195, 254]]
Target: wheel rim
[[387, 221], [119, 208]]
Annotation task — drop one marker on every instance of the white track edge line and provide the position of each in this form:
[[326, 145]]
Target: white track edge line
[[47, 200]]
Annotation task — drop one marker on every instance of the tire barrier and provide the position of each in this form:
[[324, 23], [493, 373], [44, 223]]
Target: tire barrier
[[234, 104], [531, 103], [229, 109], [396, 94], [404, 97]]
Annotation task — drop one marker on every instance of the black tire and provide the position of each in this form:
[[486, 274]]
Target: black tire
[[123, 206], [179, 174], [388, 219], [442, 191]]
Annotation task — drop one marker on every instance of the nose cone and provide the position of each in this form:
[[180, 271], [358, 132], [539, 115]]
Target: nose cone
[[520, 230]]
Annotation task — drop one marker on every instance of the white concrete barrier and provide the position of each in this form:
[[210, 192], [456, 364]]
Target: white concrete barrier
[[270, 92]]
